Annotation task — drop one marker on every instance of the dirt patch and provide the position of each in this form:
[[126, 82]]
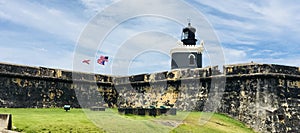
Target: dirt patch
[[169, 123]]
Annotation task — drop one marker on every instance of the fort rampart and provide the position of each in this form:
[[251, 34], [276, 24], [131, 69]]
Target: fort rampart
[[264, 96]]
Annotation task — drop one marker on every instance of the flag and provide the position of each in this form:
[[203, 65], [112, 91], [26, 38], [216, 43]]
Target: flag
[[86, 61], [102, 60]]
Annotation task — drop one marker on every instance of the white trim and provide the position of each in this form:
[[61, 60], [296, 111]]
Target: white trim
[[187, 48], [196, 49]]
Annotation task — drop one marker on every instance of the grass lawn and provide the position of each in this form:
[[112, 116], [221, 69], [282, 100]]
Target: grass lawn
[[77, 120]]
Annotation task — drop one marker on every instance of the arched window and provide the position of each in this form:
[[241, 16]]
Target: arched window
[[192, 59]]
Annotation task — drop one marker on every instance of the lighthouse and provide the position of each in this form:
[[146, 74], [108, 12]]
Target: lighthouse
[[187, 54]]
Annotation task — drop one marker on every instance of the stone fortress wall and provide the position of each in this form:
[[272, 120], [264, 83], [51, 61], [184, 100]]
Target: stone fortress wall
[[28, 87], [264, 96]]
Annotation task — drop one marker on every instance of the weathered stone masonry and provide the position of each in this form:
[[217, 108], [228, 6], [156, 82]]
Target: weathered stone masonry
[[27, 87], [265, 97]]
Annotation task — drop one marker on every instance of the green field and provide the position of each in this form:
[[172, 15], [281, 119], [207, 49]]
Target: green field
[[77, 120]]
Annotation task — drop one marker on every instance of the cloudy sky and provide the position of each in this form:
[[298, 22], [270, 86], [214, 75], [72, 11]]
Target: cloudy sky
[[137, 35]]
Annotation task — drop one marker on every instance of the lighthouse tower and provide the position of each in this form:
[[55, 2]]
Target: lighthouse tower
[[187, 54]]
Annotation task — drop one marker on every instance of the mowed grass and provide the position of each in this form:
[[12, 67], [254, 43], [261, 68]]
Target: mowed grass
[[217, 123], [50, 120], [77, 120]]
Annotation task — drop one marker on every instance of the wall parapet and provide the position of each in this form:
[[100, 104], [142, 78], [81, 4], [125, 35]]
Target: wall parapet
[[250, 68], [264, 96]]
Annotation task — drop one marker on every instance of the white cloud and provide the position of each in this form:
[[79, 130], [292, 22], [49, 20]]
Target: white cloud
[[272, 25], [36, 57], [231, 56], [245, 29], [41, 17], [259, 16], [96, 6], [131, 53], [279, 13], [233, 7], [135, 17], [281, 61]]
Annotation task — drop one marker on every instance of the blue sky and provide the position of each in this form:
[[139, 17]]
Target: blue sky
[[46, 33]]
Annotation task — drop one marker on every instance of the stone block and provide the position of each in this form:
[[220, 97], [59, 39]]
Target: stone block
[[6, 121]]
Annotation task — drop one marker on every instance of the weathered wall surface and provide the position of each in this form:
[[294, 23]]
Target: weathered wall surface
[[265, 97], [23, 86], [265, 102]]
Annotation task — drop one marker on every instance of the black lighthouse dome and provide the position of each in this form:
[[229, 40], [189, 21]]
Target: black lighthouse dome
[[187, 54], [188, 35]]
